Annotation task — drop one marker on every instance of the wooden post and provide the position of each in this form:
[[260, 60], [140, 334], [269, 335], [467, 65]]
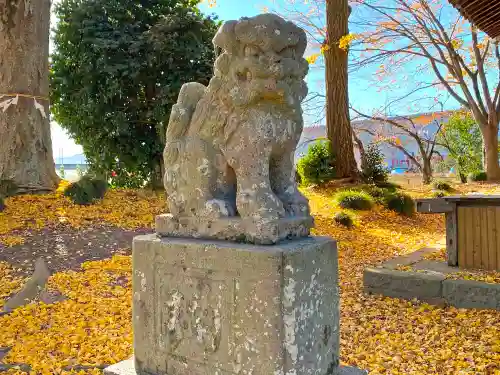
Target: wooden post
[[451, 236]]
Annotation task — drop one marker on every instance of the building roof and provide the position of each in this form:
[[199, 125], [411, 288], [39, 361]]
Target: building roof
[[485, 14]]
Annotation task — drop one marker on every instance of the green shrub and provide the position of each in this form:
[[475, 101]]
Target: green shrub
[[438, 193], [477, 176], [317, 166], [372, 165], [100, 187], [354, 200], [400, 203], [377, 193], [344, 218], [390, 186], [441, 185], [86, 190]]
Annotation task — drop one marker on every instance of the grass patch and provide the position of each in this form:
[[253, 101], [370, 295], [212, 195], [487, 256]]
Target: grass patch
[[401, 203], [345, 219], [442, 185], [354, 200]]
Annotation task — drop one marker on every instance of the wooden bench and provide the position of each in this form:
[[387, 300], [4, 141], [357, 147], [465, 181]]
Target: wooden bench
[[472, 229]]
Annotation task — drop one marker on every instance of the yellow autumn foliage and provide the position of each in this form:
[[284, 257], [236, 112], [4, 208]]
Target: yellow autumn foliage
[[384, 335]]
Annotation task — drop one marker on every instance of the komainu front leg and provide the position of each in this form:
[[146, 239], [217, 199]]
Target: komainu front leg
[[284, 185], [255, 198]]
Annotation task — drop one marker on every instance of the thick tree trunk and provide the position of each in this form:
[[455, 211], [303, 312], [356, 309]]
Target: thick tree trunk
[[338, 125], [490, 141], [426, 171], [26, 148]]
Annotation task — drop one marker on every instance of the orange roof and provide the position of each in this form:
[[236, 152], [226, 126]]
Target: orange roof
[[485, 14]]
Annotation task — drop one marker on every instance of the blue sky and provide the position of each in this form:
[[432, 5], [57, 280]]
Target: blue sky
[[362, 94]]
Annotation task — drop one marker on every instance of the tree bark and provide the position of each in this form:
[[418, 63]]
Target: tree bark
[[26, 157], [426, 171], [490, 140], [361, 149], [338, 126], [157, 175]]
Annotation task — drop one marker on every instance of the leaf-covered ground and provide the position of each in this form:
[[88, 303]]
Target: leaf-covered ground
[[92, 327]]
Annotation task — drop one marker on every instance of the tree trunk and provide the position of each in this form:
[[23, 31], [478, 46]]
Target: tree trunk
[[490, 141], [26, 157], [157, 175], [361, 149], [426, 171], [338, 126]]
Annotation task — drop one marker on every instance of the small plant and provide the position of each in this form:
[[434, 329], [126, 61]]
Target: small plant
[[79, 171], [441, 185], [373, 169], [377, 193], [477, 176], [62, 173], [86, 190], [354, 200], [344, 218], [439, 193], [317, 166], [400, 203]]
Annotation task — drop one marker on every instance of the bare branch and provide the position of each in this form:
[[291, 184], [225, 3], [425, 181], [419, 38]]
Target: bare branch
[[480, 70]]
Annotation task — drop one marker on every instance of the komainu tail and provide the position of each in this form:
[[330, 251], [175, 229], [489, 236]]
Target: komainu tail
[[180, 118]]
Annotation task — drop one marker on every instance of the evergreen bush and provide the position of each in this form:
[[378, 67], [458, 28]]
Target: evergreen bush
[[373, 169], [354, 200], [438, 194], [345, 219], [400, 203], [442, 185], [477, 176], [86, 190], [317, 166]]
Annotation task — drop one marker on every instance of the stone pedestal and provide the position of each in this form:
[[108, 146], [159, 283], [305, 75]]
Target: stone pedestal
[[214, 307]]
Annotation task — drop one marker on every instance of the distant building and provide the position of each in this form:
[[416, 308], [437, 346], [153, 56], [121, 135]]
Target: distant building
[[394, 158]]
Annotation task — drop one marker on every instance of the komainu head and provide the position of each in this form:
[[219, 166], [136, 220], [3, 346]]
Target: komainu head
[[261, 60]]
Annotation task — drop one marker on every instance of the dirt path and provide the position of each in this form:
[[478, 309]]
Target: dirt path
[[64, 248]]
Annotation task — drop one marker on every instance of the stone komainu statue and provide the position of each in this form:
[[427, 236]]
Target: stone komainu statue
[[230, 146]]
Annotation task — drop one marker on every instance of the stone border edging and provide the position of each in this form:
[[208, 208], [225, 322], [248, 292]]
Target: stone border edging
[[433, 288]]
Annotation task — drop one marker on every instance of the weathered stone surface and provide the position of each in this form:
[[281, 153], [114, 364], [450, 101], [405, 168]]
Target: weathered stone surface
[[401, 284], [126, 367], [435, 266], [259, 231], [31, 289], [348, 370], [230, 146], [471, 294], [406, 260], [214, 307]]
